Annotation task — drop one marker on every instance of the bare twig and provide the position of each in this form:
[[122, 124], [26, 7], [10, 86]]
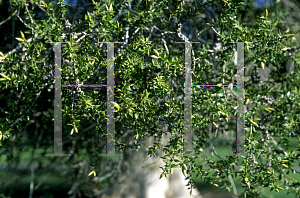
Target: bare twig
[[163, 32], [38, 94], [136, 31], [32, 30], [140, 1], [233, 186], [165, 44], [31, 182], [32, 21], [273, 141], [13, 14], [213, 146], [126, 35], [151, 32], [203, 32], [121, 13], [216, 32], [36, 146], [40, 183], [36, 3], [180, 35]]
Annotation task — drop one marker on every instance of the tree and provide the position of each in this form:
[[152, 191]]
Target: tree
[[163, 70]]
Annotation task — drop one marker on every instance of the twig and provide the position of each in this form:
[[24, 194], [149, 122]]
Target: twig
[[136, 31], [140, 1], [129, 5], [32, 30], [163, 32], [32, 21], [165, 44], [38, 94], [19, 96], [120, 14], [36, 3], [203, 32], [274, 142], [126, 35], [90, 127], [13, 14], [216, 32], [31, 182], [233, 186], [213, 146], [151, 32], [180, 35], [40, 183], [36, 146]]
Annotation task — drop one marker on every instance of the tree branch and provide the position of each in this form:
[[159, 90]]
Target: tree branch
[[13, 14], [36, 3], [216, 32], [24, 22]]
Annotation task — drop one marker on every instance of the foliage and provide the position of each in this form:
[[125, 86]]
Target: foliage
[[145, 73]]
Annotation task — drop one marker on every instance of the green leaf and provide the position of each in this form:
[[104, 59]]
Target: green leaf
[[6, 77], [136, 136], [136, 115], [161, 176], [93, 172], [156, 52], [253, 122], [269, 109], [22, 35], [153, 56], [117, 105], [19, 39], [284, 165]]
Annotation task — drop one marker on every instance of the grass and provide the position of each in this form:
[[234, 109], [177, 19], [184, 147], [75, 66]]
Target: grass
[[222, 152], [18, 181]]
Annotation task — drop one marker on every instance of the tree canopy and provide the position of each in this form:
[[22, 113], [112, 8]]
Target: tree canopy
[[149, 72]]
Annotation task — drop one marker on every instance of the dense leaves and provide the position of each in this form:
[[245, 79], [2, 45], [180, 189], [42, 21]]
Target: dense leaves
[[149, 78]]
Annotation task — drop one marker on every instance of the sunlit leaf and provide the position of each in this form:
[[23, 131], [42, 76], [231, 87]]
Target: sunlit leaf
[[23, 37], [156, 52], [153, 56], [253, 122], [19, 39], [117, 105], [93, 172], [6, 77]]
